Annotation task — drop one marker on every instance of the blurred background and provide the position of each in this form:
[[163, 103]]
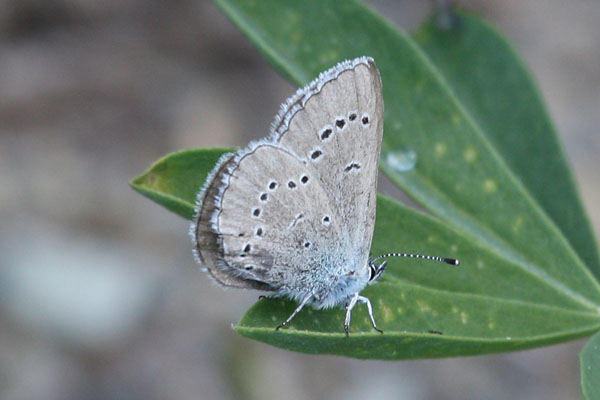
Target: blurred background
[[99, 295]]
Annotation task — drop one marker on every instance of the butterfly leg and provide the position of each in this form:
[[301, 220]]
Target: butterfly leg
[[349, 308], [363, 299], [296, 311]]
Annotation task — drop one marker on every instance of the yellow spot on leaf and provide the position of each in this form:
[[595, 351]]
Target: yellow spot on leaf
[[424, 307], [464, 317], [388, 315], [440, 149], [490, 185], [470, 154]]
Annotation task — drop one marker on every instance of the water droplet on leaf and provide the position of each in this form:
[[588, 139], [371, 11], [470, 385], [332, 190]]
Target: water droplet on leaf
[[401, 161]]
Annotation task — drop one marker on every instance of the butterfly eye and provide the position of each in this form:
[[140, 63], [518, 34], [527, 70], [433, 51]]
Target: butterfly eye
[[372, 272], [375, 270]]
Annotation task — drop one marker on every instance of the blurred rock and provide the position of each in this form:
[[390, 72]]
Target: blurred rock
[[73, 290]]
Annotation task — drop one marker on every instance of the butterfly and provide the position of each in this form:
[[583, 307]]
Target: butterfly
[[293, 214]]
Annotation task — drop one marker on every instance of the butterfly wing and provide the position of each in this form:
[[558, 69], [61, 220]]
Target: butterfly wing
[[205, 232], [273, 215], [262, 227], [337, 126]]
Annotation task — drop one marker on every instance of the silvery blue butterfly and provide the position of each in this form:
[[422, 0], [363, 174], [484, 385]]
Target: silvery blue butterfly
[[294, 213]]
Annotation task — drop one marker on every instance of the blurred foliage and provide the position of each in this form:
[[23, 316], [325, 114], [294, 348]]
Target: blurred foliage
[[590, 368]]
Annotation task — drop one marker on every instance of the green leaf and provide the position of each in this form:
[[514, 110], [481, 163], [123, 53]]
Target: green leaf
[[523, 281], [590, 368], [480, 307], [488, 304], [494, 86], [407, 313], [175, 180]]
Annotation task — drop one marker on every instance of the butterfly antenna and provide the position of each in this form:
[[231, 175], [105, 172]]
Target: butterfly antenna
[[450, 261]]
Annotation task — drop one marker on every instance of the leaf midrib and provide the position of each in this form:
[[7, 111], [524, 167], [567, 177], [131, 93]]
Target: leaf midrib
[[145, 190], [468, 295], [499, 246]]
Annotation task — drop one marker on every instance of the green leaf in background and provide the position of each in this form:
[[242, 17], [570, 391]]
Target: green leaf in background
[[480, 309], [492, 83], [523, 281], [590, 368]]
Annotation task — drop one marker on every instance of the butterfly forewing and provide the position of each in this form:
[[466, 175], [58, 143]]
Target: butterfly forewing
[[338, 132]]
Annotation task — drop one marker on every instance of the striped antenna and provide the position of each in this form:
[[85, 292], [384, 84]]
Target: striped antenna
[[450, 261]]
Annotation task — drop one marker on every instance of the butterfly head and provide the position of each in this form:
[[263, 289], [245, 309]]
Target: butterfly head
[[375, 270]]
